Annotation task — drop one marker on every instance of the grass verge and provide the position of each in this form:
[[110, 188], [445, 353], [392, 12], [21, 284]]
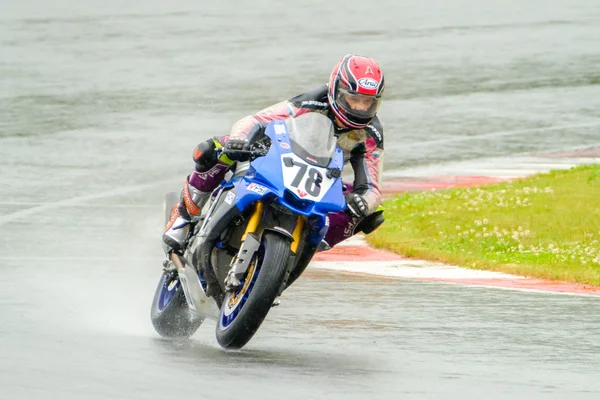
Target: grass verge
[[545, 226]]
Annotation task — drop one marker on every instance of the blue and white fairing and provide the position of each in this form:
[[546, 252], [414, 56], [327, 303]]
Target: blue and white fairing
[[301, 171]]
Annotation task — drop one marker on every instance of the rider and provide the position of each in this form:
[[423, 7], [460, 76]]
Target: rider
[[351, 100]]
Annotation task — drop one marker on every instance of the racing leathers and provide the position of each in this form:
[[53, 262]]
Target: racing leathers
[[362, 148]]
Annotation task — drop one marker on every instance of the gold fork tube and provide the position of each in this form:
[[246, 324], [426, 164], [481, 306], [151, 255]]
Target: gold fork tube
[[254, 219], [297, 234]]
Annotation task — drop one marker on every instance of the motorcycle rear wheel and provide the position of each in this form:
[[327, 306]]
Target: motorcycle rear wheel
[[170, 314]]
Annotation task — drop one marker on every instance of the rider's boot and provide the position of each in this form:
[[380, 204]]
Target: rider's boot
[[183, 215], [370, 222], [177, 230]]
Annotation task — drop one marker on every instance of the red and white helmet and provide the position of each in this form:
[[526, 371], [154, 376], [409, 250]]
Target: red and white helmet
[[355, 89]]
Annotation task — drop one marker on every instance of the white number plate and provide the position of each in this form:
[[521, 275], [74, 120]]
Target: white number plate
[[307, 181]]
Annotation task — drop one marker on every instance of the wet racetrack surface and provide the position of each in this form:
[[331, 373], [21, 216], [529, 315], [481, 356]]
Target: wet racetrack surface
[[334, 335], [101, 105]]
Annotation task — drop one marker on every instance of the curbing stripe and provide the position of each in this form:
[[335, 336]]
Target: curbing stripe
[[344, 256]]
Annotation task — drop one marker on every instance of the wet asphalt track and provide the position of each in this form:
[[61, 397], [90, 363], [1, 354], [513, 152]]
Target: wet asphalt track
[[334, 336], [100, 106]]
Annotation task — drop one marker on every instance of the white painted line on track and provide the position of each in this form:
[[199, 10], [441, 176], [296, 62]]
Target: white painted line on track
[[82, 258], [36, 204], [410, 269], [514, 289], [78, 200], [424, 271], [498, 134], [356, 240]]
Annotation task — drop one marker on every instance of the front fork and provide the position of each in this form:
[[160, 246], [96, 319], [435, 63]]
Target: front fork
[[251, 240]]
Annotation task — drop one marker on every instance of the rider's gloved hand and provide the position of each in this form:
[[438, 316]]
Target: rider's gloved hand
[[233, 149], [356, 205]]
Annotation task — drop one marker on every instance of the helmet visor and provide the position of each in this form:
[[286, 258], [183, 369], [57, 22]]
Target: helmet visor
[[360, 106]]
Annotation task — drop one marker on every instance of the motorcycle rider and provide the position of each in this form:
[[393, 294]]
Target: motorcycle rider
[[351, 100]]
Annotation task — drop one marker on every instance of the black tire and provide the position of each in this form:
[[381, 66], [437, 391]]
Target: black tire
[[237, 324], [306, 255], [170, 314]]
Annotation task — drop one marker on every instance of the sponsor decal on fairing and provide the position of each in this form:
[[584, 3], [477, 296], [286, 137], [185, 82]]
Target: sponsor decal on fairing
[[229, 198], [255, 187], [280, 129]]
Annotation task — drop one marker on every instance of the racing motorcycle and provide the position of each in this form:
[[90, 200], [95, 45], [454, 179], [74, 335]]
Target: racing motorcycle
[[256, 234]]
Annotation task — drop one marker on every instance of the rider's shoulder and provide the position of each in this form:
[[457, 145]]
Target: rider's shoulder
[[375, 131], [313, 99]]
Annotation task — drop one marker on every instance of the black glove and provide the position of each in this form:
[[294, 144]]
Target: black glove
[[356, 205], [234, 148]]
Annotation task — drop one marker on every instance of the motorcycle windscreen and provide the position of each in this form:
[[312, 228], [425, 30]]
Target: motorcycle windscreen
[[312, 138]]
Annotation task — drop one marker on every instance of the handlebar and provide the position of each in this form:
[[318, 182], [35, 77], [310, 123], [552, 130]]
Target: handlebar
[[253, 153]]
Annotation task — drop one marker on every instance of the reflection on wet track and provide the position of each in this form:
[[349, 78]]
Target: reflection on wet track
[[85, 333]]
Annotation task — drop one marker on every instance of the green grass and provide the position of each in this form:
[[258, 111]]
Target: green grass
[[545, 226]]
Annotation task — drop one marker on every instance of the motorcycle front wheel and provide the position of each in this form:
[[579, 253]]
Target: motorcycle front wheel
[[244, 309]]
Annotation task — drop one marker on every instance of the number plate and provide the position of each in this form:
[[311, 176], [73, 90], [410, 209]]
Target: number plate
[[307, 181]]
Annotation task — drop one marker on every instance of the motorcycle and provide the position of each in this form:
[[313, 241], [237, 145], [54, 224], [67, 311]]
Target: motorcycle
[[256, 234]]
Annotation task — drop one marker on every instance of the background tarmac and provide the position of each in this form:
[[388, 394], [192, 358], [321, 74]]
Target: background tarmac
[[101, 105]]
